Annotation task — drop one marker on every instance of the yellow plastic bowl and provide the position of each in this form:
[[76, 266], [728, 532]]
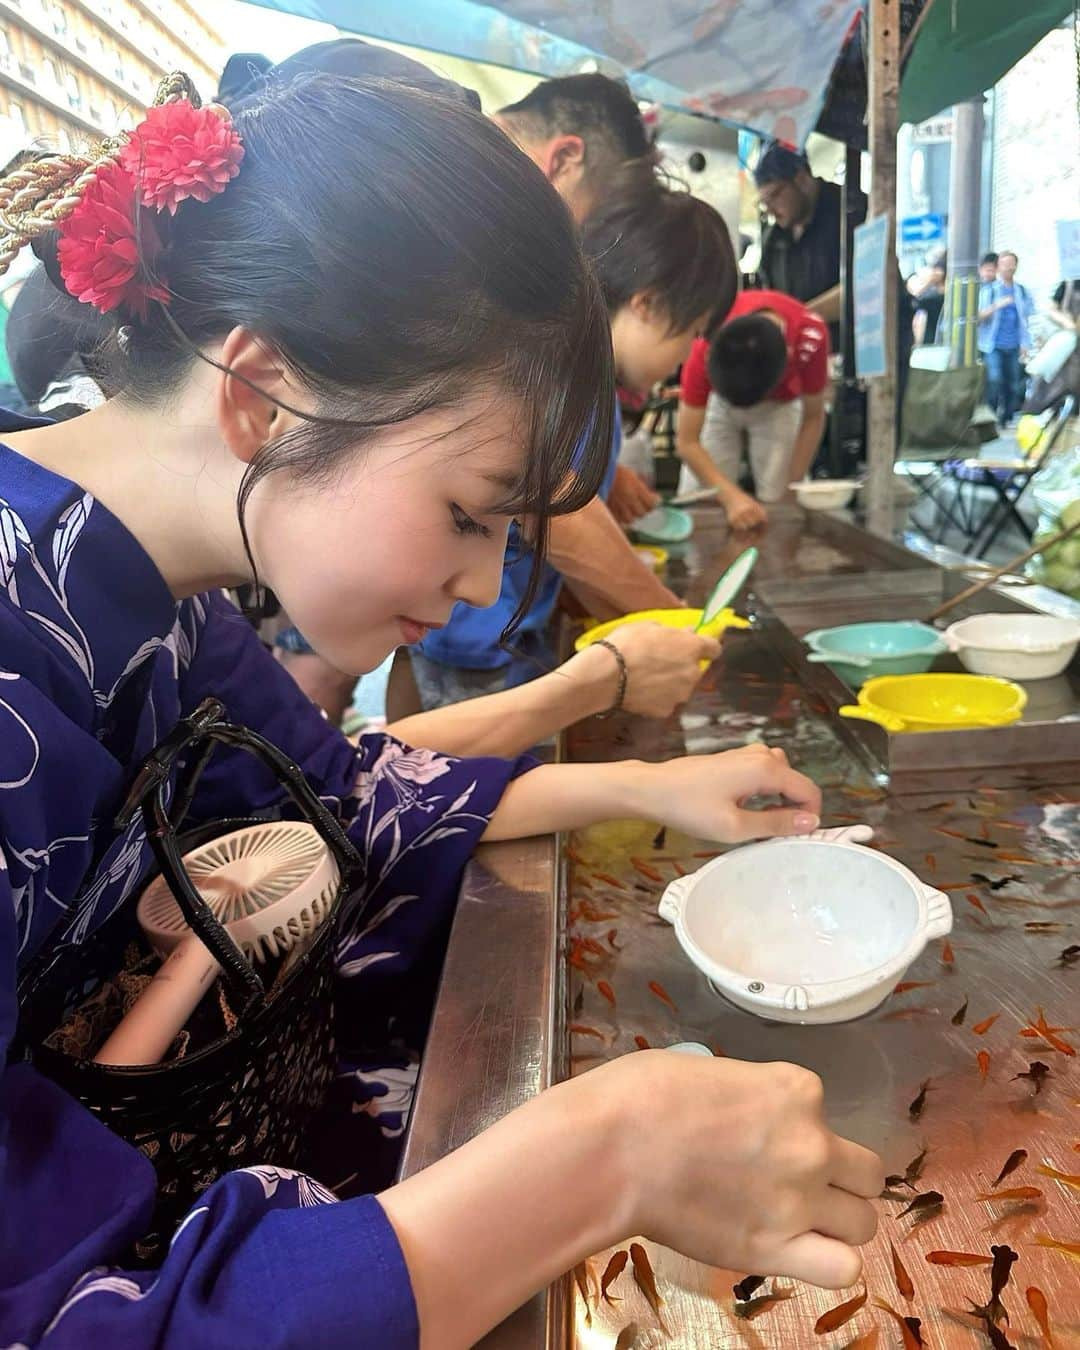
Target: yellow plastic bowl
[[670, 618], [652, 556], [937, 702]]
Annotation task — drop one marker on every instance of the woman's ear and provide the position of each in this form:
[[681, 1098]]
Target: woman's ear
[[254, 376], [642, 305]]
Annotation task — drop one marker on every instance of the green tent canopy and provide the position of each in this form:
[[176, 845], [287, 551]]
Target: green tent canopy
[[964, 47]]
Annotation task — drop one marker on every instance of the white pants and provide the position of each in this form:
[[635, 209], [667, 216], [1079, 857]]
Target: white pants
[[764, 434]]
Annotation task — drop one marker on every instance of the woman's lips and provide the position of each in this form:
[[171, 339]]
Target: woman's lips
[[415, 630]]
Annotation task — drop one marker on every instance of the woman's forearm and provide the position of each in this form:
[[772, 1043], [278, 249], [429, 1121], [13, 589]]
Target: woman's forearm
[[509, 723], [486, 1227], [558, 797]]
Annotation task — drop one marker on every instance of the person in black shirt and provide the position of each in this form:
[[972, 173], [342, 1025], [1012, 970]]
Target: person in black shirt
[[800, 250]]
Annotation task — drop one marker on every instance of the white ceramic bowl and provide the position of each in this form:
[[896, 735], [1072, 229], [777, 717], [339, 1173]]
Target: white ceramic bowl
[[825, 494], [813, 929], [1016, 646]]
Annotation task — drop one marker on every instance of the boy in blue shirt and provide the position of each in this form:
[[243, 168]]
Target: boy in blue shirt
[[666, 267]]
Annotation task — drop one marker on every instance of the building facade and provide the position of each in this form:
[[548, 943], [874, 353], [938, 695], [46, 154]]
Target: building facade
[[1037, 159], [73, 71]]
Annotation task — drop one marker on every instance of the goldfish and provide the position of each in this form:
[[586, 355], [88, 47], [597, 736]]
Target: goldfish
[[609, 880], [983, 1059], [839, 1316], [917, 1107], [1012, 1162], [947, 955], [646, 871], [655, 987], [1037, 1072], [583, 1290], [1071, 1249], [959, 1015], [615, 1268], [1036, 1301], [946, 1258], [605, 991], [1071, 1180], [903, 1279], [926, 1201], [910, 1327], [981, 1028], [644, 1277], [745, 1289], [579, 1029]]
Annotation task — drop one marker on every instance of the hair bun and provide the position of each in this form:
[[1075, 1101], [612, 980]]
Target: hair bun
[[44, 249]]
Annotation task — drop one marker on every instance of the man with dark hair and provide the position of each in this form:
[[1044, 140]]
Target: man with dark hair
[[800, 250], [580, 129], [756, 393]]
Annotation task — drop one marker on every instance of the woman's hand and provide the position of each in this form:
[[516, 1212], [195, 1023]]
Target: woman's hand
[[730, 1163], [733, 1164], [663, 665], [703, 795]]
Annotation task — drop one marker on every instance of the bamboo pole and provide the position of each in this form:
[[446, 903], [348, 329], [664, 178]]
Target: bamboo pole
[[884, 90]]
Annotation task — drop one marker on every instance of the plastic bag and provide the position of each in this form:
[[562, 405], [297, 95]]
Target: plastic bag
[[1057, 495]]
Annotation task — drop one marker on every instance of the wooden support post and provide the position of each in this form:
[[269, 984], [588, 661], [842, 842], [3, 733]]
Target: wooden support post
[[884, 89]]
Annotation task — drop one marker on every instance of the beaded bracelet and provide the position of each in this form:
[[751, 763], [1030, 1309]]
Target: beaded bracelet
[[624, 676]]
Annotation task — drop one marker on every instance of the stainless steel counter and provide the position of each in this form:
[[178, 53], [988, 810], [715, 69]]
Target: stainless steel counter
[[501, 1023]]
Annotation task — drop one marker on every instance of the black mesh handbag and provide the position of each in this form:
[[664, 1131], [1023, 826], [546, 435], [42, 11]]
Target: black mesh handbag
[[249, 1095]]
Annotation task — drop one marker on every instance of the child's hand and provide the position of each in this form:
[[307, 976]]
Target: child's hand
[[703, 795]]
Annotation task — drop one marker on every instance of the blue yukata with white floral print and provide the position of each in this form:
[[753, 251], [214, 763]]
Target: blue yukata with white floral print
[[97, 663]]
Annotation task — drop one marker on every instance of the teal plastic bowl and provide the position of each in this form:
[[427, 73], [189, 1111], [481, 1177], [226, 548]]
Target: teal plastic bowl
[[860, 651], [663, 525]]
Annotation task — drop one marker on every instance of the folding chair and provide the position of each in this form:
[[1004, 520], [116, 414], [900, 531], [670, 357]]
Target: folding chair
[[940, 416], [1008, 480]]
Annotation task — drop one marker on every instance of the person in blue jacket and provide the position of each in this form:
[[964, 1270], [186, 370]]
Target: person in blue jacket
[[354, 336]]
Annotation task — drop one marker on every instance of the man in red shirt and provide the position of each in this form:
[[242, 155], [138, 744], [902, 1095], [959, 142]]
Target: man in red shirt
[[756, 392]]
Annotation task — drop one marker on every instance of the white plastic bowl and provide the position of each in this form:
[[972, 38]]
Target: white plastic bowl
[[1016, 646], [813, 929], [825, 494]]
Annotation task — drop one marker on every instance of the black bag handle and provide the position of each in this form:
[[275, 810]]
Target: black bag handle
[[207, 727]]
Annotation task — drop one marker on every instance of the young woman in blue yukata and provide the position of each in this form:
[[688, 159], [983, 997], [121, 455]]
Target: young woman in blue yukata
[[355, 337]]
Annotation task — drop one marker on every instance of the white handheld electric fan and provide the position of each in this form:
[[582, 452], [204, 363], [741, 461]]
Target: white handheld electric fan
[[270, 885]]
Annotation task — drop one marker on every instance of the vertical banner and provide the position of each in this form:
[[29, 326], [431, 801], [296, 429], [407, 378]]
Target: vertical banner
[[871, 248]]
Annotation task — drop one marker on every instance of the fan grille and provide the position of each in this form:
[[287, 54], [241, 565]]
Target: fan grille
[[271, 885]]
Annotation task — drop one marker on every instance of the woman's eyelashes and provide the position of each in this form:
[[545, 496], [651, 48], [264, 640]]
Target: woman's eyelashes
[[464, 523]]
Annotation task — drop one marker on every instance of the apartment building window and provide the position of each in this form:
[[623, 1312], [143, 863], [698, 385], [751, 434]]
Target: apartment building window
[[112, 116], [48, 73], [63, 141], [74, 93], [5, 43], [59, 20], [16, 114]]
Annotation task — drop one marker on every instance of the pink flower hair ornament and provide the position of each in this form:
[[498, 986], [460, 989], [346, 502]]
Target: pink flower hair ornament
[[110, 243]]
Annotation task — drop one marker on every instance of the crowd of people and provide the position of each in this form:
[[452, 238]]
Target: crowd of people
[[1006, 338], [357, 344]]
